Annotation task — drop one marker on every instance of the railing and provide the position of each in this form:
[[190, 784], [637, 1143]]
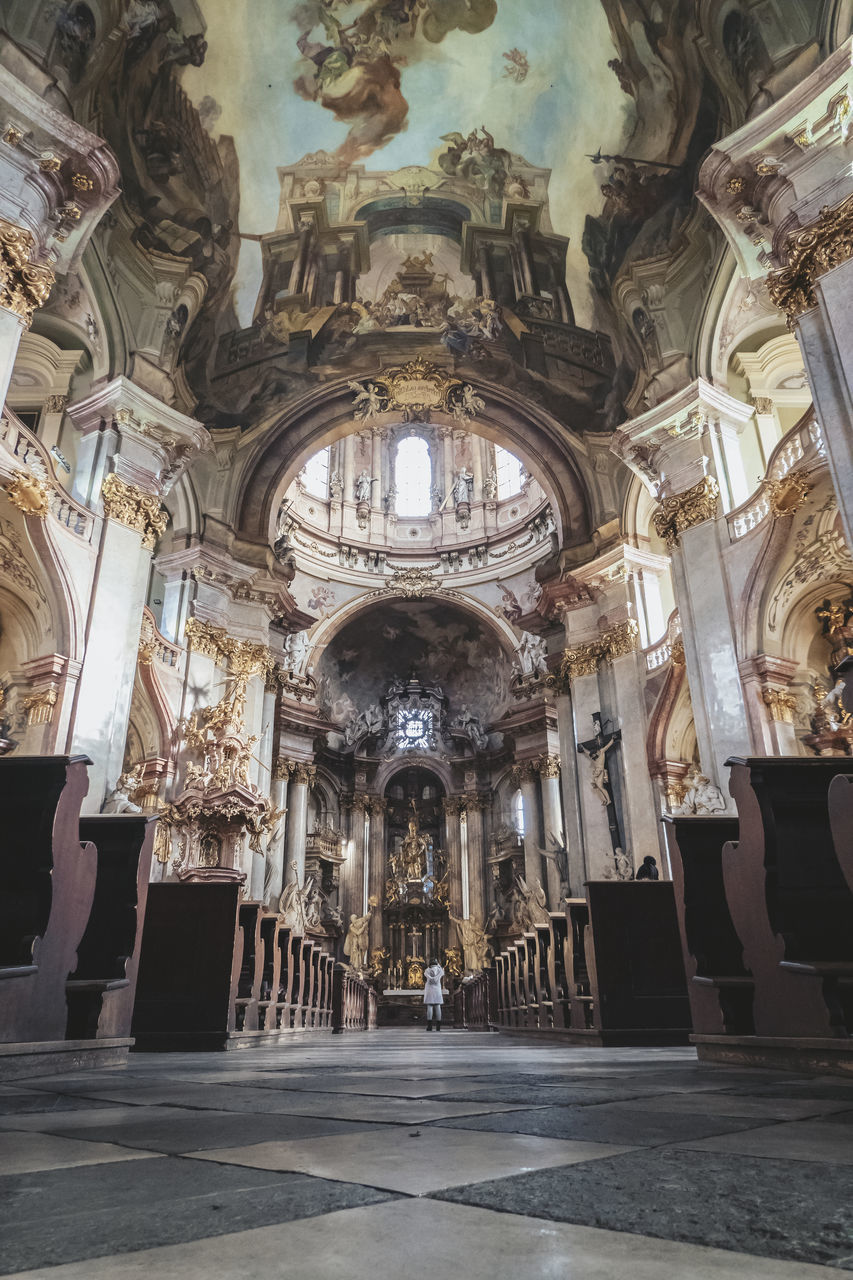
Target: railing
[[473, 1001], [804, 444], [29, 451], [153, 644], [354, 1002]]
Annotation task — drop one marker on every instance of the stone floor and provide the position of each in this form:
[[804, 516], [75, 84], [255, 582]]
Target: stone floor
[[461, 1155]]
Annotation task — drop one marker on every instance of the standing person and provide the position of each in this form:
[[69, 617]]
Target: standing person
[[433, 998]]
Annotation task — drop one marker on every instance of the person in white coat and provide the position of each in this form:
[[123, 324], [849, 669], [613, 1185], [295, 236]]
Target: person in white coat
[[433, 998]]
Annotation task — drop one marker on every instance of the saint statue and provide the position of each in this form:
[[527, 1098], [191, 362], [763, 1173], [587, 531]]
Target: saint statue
[[355, 943], [119, 801], [414, 850], [701, 796], [363, 487], [474, 941]]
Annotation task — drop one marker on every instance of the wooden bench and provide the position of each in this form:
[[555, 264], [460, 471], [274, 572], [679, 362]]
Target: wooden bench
[[720, 987], [788, 898], [102, 988], [47, 884]]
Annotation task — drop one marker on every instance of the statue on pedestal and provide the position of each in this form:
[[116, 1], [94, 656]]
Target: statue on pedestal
[[474, 941], [414, 850], [355, 943]]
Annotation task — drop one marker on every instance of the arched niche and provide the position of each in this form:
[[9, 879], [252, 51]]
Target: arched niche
[[275, 452], [442, 638]]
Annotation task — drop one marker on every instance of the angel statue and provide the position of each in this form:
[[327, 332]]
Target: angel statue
[[368, 400], [467, 405]]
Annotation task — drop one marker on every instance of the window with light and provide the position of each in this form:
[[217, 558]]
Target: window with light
[[315, 474], [413, 477], [510, 473], [518, 812]]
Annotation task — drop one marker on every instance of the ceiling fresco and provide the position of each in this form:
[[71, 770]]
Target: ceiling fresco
[[406, 82], [432, 640]]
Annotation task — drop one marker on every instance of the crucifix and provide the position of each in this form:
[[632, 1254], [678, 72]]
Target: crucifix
[[595, 749]]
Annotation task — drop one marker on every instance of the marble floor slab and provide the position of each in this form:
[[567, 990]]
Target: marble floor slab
[[458, 1242], [610, 1122], [773, 1208], [414, 1161], [34, 1152], [372, 1107], [747, 1105], [813, 1140], [85, 1213]]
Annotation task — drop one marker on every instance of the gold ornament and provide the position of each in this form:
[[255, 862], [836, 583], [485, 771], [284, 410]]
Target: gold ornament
[[134, 508], [39, 706], [29, 494], [810, 253], [684, 510], [547, 766], [781, 704], [24, 285], [788, 494]]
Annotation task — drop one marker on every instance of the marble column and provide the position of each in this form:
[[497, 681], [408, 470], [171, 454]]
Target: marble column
[[570, 786], [525, 777], [826, 339], [475, 805], [274, 882], [710, 650], [105, 687], [640, 810], [376, 866], [12, 326], [484, 264], [548, 768], [452, 809], [599, 858], [302, 776]]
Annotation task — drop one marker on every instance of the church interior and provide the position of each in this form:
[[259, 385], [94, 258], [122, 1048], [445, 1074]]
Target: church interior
[[426, 605]]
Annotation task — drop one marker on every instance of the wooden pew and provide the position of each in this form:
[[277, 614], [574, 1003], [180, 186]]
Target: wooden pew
[[789, 901], [189, 967], [248, 992], [579, 964], [47, 883], [639, 987], [544, 939], [841, 823], [720, 987], [102, 988], [270, 972]]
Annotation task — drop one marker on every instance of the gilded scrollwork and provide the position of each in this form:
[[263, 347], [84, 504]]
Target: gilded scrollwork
[[684, 510], [135, 508], [810, 253], [547, 766], [788, 494], [24, 285]]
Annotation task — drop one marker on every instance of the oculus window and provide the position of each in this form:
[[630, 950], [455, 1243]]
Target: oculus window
[[415, 729]]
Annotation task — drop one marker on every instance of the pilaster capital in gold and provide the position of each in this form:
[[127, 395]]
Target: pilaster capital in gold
[[548, 766], [780, 703], [24, 285], [810, 253], [682, 511], [133, 507]]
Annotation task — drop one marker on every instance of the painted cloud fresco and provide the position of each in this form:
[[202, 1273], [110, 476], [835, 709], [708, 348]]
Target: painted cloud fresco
[[389, 83], [432, 639]]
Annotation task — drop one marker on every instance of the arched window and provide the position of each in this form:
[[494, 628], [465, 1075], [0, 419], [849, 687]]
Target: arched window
[[315, 474], [510, 473], [413, 477], [518, 812]]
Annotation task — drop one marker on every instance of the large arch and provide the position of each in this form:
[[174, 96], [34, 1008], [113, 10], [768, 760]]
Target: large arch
[[274, 453]]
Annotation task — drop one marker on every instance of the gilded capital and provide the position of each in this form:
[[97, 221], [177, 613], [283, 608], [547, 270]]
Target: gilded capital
[[622, 639], [780, 703], [522, 772], [581, 660], [244, 657], [810, 253], [304, 773], [24, 285], [684, 510], [547, 766], [39, 706], [282, 769], [132, 507], [453, 806]]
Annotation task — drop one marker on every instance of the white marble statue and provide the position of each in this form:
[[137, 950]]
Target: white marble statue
[[291, 904], [119, 801], [461, 481], [701, 795], [363, 487], [355, 943]]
